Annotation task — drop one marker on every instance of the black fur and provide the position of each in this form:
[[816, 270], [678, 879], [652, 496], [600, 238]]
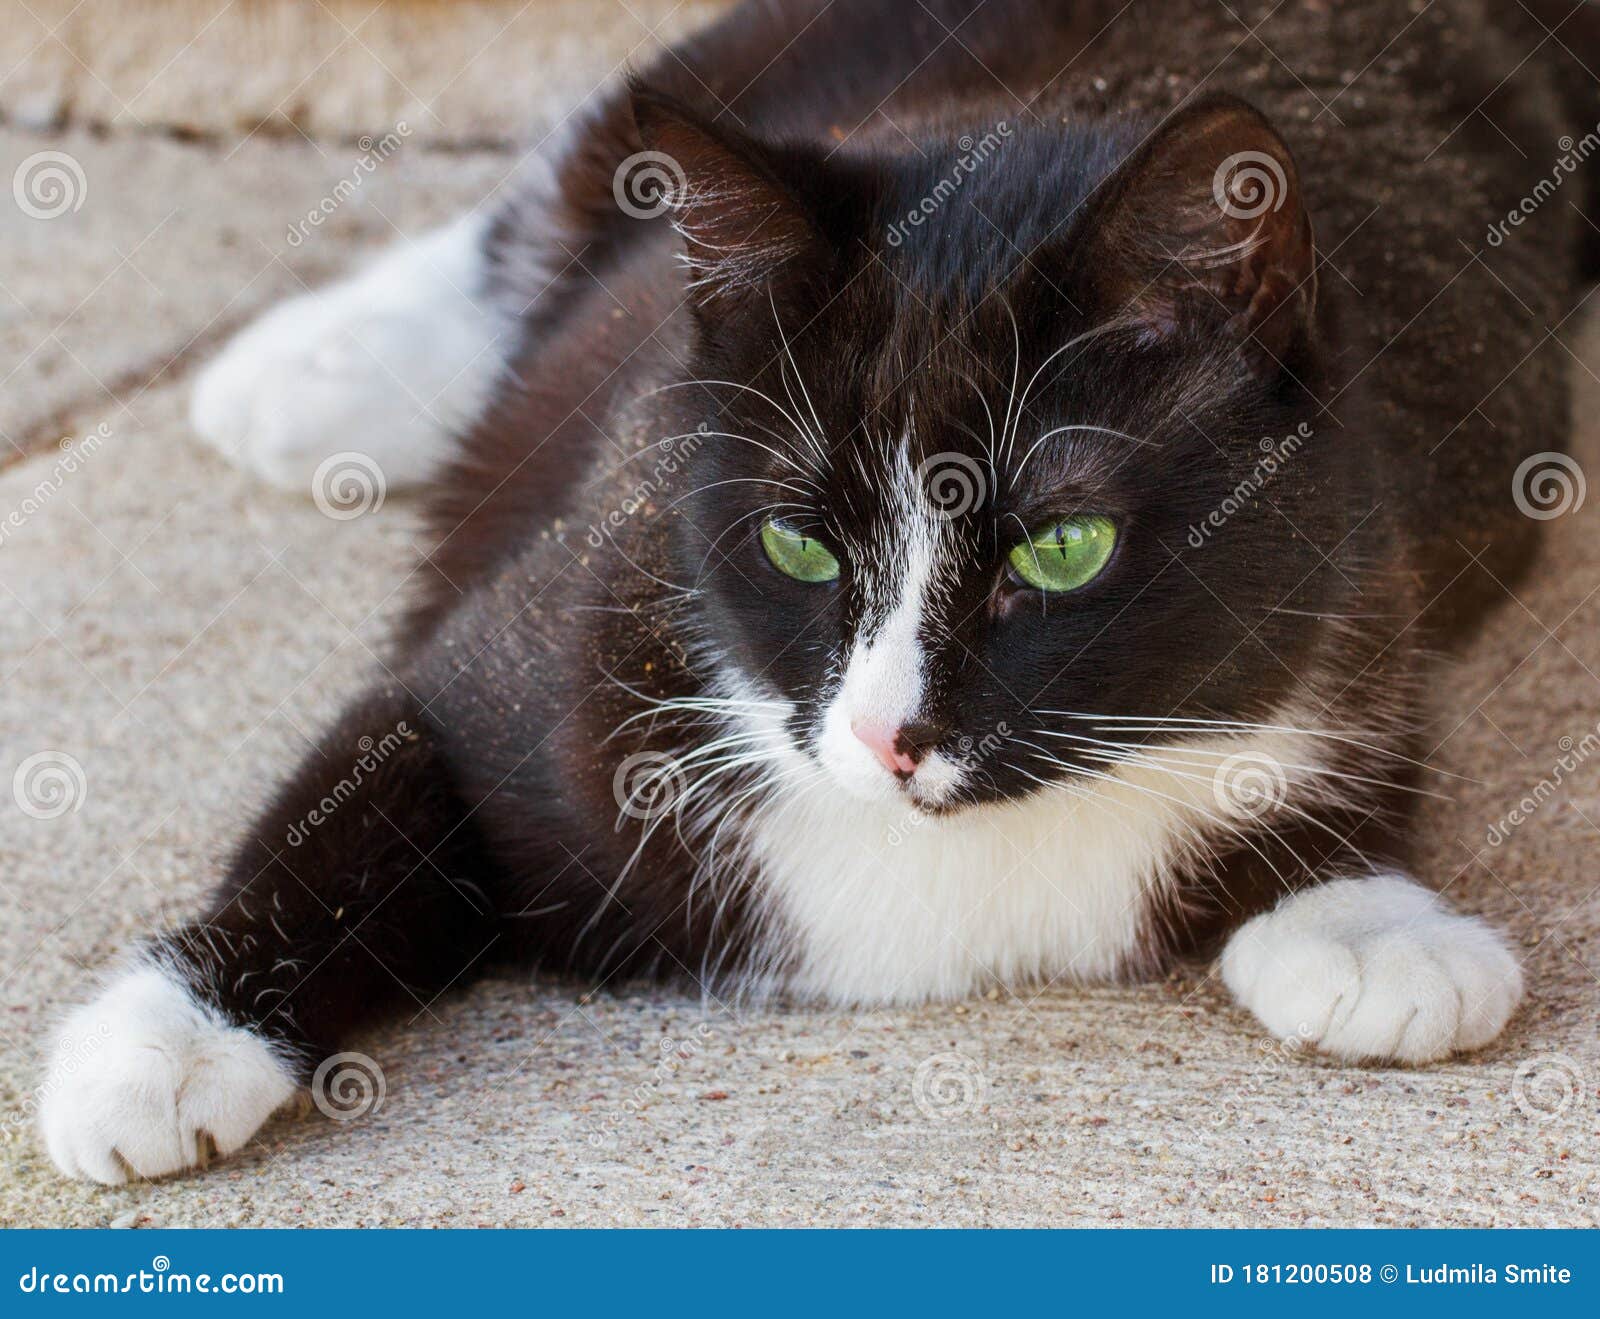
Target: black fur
[[806, 133]]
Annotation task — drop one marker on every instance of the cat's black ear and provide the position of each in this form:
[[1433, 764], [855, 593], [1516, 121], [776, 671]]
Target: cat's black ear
[[745, 232], [1204, 227]]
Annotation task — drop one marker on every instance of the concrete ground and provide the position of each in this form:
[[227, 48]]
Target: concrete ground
[[170, 632]]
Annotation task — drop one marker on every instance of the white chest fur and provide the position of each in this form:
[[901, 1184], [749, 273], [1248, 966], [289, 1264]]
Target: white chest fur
[[874, 903]]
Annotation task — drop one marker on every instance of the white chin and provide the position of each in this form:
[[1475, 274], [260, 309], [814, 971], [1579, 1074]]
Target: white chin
[[868, 783], [927, 798]]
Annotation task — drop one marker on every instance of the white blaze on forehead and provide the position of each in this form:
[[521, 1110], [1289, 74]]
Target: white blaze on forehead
[[885, 677], [884, 681], [901, 576]]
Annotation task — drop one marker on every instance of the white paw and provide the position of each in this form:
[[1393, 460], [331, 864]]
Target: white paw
[[142, 1076], [392, 363], [1374, 969]]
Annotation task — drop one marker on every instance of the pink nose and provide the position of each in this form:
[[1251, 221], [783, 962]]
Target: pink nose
[[884, 743]]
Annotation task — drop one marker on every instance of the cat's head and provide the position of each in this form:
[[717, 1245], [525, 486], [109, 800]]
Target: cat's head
[[1002, 433]]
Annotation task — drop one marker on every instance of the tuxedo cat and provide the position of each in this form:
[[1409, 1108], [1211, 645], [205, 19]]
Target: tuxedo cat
[[926, 496]]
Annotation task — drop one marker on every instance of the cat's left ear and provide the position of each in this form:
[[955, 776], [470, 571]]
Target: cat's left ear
[[746, 232], [1204, 227]]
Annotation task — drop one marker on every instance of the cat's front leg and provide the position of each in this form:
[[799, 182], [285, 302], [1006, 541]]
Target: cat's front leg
[[357, 893], [1377, 969]]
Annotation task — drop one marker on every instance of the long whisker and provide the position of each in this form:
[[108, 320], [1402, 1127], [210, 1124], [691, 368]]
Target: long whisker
[[1287, 806], [1007, 434], [1062, 430], [1227, 826], [1219, 756], [734, 384], [656, 448], [799, 378], [987, 413], [768, 481], [739, 522], [1160, 724], [688, 592], [781, 457]]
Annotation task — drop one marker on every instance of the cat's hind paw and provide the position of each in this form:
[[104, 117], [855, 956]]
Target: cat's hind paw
[[1376, 969], [144, 1080], [392, 363]]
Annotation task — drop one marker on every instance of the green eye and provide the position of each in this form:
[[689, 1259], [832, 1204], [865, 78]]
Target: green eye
[[802, 557], [1065, 556]]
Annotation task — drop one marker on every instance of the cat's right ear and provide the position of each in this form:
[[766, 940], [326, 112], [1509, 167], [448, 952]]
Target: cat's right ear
[[746, 234], [1203, 228]]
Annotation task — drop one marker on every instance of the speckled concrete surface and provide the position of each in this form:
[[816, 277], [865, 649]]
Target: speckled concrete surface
[[462, 72], [176, 630]]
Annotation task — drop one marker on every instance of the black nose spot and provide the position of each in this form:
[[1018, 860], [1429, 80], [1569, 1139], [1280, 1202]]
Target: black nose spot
[[920, 738]]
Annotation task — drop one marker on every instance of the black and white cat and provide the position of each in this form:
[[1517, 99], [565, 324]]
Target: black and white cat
[[973, 517]]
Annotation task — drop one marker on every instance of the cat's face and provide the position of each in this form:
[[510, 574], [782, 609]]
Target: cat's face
[[948, 519]]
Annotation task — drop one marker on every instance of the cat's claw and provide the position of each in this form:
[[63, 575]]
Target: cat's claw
[[144, 1081], [1376, 969], [392, 363]]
